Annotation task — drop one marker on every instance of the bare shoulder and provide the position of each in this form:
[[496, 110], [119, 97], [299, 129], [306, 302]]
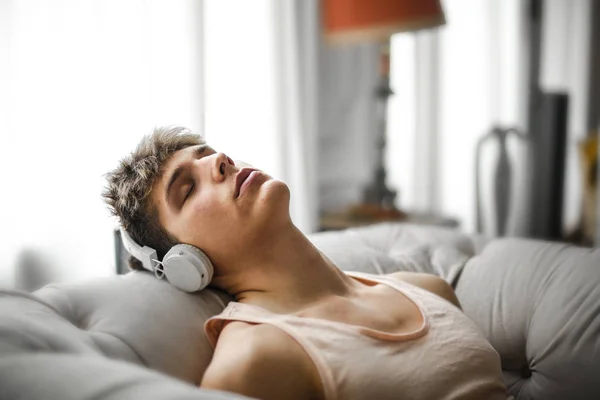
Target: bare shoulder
[[260, 361], [429, 282]]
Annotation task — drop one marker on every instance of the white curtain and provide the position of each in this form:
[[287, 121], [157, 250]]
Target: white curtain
[[81, 82], [452, 85], [260, 91]]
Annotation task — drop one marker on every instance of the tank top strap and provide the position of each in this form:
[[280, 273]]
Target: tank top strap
[[235, 312]]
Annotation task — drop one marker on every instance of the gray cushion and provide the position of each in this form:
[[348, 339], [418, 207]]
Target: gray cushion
[[388, 247], [135, 318], [61, 342]]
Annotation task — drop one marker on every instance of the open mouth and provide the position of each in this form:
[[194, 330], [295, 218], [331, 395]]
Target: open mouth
[[240, 178]]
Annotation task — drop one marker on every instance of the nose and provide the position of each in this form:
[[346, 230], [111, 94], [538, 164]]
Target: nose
[[221, 167]]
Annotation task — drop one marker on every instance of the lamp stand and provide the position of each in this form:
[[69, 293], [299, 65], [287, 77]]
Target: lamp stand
[[377, 193]]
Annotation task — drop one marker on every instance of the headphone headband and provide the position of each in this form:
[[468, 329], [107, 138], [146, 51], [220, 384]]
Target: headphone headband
[[147, 255]]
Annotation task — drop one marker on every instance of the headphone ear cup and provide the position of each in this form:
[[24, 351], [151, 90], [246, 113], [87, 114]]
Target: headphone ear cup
[[188, 268]]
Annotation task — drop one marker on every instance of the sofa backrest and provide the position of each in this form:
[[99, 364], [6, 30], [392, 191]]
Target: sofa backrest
[[538, 303]]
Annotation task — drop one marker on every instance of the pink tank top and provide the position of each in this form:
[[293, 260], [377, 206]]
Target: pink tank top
[[446, 358]]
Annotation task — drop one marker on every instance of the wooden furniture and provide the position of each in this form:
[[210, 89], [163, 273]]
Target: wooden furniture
[[367, 215]]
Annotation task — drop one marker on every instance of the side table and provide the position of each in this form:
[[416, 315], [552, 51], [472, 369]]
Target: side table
[[338, 220]]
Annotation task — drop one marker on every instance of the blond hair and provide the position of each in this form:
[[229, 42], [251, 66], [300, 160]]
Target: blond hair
[[127, 193]]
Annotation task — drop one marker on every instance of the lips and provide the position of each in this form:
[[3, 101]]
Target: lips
[[240, 178]]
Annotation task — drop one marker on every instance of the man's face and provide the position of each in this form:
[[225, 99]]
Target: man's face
[[204, 199]]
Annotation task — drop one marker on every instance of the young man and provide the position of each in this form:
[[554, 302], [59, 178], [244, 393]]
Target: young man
[[299, 328]]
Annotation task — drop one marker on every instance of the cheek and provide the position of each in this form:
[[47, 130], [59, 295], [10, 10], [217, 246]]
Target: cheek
[[203, 205], [211, 207], [211, 219]]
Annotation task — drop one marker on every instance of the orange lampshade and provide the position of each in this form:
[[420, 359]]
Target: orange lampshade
[[372, 20]]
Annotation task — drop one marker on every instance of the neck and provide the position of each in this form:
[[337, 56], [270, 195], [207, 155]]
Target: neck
[[283, 273]]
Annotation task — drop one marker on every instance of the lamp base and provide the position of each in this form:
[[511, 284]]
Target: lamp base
[[374, 213], [377, 193]]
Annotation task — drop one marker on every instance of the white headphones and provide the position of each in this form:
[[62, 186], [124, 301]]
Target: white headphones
[[187, 267]]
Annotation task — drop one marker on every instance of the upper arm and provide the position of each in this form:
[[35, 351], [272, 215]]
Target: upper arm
[[258, 361], [429, 282]]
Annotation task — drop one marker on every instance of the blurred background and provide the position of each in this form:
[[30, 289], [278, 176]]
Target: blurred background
[[480, 115]]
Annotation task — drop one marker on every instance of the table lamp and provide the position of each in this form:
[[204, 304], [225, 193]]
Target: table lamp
[[359, 21]]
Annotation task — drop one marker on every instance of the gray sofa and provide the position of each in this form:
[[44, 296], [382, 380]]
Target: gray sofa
[[133, 336]]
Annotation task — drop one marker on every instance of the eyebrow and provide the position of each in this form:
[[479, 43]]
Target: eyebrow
[[198, 152]]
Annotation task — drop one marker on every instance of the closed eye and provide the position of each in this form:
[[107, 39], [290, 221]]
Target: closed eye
[[189, 192]]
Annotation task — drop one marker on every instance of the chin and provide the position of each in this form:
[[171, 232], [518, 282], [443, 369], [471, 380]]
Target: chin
[[273, 204]]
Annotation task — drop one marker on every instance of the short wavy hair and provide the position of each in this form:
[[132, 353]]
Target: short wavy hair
[[127, 193]]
